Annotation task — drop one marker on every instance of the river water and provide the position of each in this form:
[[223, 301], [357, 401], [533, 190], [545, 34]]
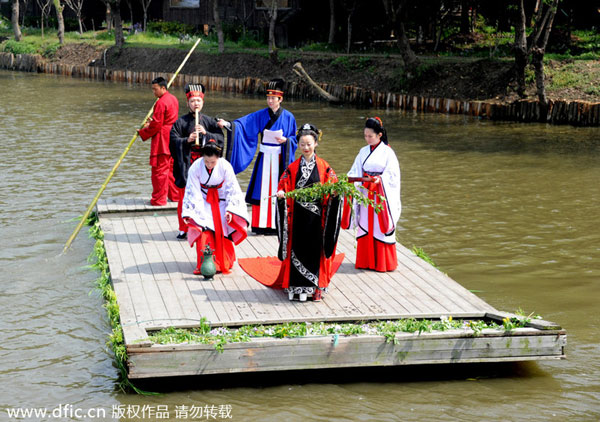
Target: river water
[[508, 210]]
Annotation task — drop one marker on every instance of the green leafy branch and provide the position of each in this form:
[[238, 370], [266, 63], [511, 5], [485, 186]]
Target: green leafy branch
[[340, 188]]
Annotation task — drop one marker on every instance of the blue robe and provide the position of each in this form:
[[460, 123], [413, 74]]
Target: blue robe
[[246, 131]]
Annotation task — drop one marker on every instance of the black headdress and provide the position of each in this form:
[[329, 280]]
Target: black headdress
[[308, 129], [194, 90], [275, 88]]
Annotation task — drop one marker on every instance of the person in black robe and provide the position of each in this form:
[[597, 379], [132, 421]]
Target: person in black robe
[[183, 146], [308, 231]]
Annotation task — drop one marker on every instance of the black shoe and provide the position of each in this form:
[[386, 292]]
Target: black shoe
[[182, 235]]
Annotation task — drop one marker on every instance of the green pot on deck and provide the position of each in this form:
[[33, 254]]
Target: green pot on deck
[[208, 268]]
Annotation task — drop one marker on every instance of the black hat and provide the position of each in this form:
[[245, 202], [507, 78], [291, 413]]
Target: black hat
[[275, 88], [194, 90]]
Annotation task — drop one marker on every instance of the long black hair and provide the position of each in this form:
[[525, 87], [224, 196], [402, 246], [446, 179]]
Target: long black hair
[[376, 125]]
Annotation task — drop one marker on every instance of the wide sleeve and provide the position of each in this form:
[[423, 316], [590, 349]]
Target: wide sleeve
[[333, 215], [356, 169], [390, 179], [213, 131], [282, 218], [285, 181], [156, 123], [348, 206], [245, 139], [179, 149], [291, 144], [193, 200], [234, 197], [236, 206]]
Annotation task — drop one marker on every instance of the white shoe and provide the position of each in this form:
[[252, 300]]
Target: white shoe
[[302, 297], [291, 295]]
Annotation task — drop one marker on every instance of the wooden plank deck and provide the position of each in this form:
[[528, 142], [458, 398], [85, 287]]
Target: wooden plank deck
[[152, 276]]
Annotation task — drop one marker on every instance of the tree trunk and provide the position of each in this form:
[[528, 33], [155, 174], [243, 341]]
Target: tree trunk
[[349, 34], [331, 22], [145, 18], [273, 20], [408, 56], [61, 21], [15, 20], [116, 12], [218, 26], [465, 27], [130, 7], [538, 64], [109, 19], [80, 23], [396, 13], [521, 55], [24, 12], [538, 52]]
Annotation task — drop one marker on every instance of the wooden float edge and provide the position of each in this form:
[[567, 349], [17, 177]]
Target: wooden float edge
[[345, 351]]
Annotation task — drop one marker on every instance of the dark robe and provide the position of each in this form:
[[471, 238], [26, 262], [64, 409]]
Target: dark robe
[[181, 149]]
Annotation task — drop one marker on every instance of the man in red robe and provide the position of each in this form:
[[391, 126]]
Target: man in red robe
[[166, 111]]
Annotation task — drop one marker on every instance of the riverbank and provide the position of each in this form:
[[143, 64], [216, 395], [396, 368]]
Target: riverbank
[[479, 87], [458, 78]]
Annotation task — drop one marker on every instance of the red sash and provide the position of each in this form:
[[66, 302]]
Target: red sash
[[212, 197], [383, 215]]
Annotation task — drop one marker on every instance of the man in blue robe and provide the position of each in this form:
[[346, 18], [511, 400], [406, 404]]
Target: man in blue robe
[[273, 130]]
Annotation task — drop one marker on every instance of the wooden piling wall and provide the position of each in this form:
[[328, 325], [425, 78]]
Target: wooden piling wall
[[577, 113]]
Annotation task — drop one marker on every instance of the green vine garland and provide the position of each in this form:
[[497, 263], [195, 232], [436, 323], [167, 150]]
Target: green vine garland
[[341, 188]]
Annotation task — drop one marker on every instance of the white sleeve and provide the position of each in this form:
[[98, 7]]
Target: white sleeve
[[193, 192], [391, 184]]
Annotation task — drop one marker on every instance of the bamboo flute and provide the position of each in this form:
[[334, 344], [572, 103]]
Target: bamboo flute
[[197, 134], [127, 148]]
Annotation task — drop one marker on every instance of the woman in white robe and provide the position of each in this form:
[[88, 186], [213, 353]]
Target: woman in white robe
[[377, 166], [214, 208]]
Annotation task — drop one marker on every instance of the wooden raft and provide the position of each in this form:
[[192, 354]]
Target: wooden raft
[[152, 277]]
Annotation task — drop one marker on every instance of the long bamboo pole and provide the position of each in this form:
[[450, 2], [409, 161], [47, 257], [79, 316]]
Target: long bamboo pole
[[118, 163]]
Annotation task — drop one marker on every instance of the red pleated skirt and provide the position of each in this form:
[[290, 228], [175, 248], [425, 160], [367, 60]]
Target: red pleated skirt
[[376, 255]]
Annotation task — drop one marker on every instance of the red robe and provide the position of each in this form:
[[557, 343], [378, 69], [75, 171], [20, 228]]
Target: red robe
[[166, 111]]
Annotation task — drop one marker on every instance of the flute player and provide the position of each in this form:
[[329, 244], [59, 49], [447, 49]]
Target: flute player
[[189, 133]]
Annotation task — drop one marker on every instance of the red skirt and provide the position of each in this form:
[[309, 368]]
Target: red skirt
[[376, 255]]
